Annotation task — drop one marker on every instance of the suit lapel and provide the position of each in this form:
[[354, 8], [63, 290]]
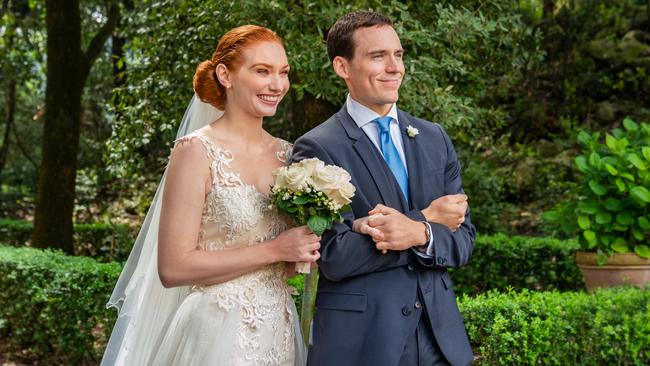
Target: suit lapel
[[371, 158], [412, 153]]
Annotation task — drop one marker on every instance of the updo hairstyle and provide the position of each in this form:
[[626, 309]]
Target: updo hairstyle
[[229, 52]]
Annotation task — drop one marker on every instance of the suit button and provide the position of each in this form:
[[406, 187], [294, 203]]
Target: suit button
[[418, 305], [406, 311], [410, 267]]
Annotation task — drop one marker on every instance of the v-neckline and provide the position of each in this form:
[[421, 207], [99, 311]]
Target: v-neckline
[[235, 173]]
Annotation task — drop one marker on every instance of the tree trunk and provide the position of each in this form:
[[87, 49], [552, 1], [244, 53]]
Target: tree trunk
[[57, 173], [11, 111], [67, 69]]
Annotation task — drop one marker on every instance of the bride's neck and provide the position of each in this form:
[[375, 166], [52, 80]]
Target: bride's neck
[[243, 125]]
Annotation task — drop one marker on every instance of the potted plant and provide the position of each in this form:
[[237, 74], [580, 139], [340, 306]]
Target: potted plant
[[611, 215]]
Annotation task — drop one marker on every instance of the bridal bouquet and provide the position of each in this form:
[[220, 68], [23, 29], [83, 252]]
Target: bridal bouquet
[[312, 194]]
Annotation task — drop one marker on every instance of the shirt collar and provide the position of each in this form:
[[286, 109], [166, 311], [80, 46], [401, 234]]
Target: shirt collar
[[363, 115]]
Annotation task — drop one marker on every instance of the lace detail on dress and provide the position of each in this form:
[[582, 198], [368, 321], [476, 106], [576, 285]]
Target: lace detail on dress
[[237, 214], [286, 150]]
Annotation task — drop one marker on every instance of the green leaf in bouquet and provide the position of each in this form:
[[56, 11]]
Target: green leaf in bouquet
[[319, 224], [346, 208], [312, 211], [300, 200], [642, 251], [291, 209]]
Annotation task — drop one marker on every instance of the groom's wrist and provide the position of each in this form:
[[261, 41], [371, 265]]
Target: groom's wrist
[[422, 235]]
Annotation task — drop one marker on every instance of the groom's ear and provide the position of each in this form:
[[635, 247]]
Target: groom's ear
[[341, 67]]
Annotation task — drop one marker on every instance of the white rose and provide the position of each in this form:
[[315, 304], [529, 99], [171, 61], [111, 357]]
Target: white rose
[[280, 177], [341, 195], [330, 177], [297, 178], [311, 165]]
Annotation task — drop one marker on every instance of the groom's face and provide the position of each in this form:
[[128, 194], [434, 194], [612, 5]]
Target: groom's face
[[375, 72]]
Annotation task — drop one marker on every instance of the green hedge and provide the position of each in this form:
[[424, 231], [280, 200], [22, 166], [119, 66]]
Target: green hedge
[[519, 262], [609, 327], [498, 262], [104, 242], [52, 305]]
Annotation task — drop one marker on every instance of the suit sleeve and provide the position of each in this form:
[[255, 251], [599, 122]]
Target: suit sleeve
[[345, 253], [450, 249]]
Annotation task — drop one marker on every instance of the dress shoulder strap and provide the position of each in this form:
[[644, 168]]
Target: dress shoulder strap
[[285, 152], [220, 158]]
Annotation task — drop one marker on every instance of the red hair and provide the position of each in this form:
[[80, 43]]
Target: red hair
[[228, 52]]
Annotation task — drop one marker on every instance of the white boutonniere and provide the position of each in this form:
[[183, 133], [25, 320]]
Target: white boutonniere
[[412, 131]]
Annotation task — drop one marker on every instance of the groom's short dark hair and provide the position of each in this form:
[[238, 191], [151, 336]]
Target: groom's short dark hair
[[339, 37]]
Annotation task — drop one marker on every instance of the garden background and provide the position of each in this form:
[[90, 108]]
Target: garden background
[[91, 94]]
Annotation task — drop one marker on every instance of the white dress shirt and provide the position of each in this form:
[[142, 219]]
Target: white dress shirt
[[364, 118]]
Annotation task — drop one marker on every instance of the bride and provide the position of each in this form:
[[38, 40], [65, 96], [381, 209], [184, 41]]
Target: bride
[[205, 282]]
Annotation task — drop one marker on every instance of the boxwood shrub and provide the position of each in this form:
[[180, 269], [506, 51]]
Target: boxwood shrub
[[609, 327], [52, 306], [519, 262], [52, 312], [104, 242]]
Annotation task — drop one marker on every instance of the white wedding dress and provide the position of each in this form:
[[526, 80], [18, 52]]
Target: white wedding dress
[[250, 320]]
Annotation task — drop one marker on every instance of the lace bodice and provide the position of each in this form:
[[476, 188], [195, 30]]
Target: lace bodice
[[238, 214]]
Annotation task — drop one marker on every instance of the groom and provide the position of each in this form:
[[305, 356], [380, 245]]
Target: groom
[[396, 308]]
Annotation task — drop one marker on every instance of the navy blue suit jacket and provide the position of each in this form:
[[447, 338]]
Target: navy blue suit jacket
[[365, 299]]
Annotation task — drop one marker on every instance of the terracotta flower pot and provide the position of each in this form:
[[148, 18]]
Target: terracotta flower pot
[[619, 269]]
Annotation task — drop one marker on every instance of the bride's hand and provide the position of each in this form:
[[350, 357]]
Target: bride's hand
[[362, 226], [298, 244]]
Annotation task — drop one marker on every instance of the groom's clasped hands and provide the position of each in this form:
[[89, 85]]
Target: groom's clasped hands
[[392, 230]]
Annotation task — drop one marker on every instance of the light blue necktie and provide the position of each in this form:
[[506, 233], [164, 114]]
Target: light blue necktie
[[391, 155]]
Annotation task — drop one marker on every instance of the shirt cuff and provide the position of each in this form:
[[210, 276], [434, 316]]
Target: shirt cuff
[[426, 251]]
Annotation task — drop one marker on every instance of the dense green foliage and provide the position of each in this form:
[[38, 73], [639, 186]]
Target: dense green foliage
[[104, 242], [500, 262], [456, 54], [52, 305], [611, 213], [609, 327], [594, 73]]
